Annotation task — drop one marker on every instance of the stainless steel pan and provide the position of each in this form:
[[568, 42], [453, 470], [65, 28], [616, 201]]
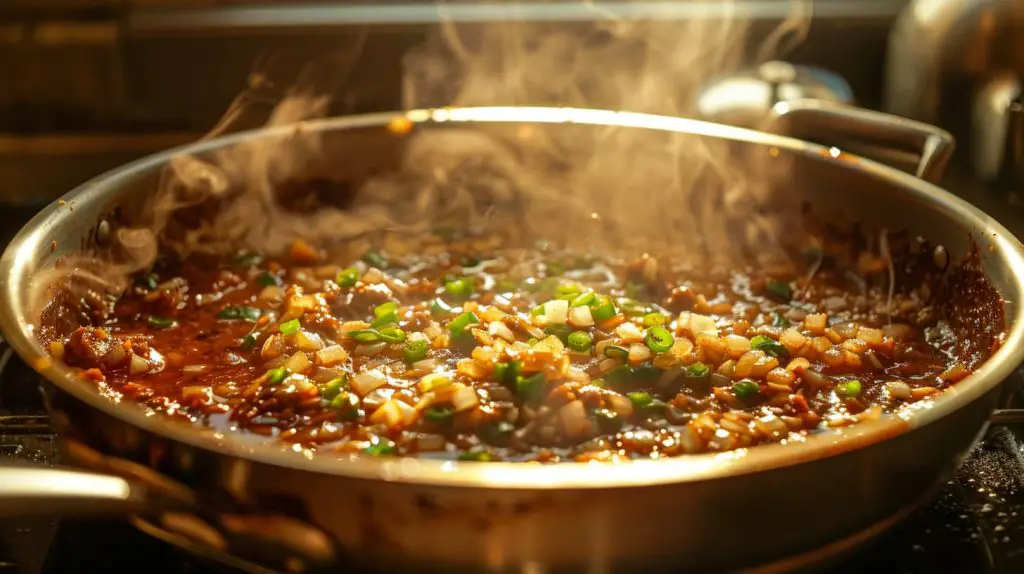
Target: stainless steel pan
[[770, 508]]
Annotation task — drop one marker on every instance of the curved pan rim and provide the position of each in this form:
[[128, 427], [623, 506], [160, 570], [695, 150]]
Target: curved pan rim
[[17, 263]]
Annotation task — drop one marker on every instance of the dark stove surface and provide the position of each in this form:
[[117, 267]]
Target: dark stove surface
[[975, 525]]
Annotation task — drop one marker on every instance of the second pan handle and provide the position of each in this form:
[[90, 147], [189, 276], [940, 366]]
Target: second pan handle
[[867, 133]]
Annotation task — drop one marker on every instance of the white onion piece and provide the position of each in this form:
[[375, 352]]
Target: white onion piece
[[369, 350], [629, 333], [581, 317], [138, 365], [271, 293], [195, 391], [426, 365], [638, 353], [367, 381], [574, 419], [620, 404], [332, 355], [306, 341], [116, 355], [464, 399], [194, 369], [556, 311], [697, 324], [898, 390], [501, 330], [393, 414], [298, 363], [434, 381]]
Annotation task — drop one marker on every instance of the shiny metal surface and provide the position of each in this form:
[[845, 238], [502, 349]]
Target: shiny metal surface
[[746, 99], [935, 42], [278, 510], [990, 118]]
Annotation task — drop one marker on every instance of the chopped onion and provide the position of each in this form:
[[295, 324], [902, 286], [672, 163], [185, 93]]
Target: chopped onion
[[581, 317], [271, 293], [298, 363], [394, 413], [465, 398], [737, 345], [620, 404], [574, 419], [332, 355], [367, 381], [195, 391], [697, 324], [426, 365], [116, 355], [638, 353], [629, 333], [306, 341], [556, 311], [898, 390], [816, 323], [194, 369], [499, 329], [369, 350], [434, 381], [273, 347], [138, 365]]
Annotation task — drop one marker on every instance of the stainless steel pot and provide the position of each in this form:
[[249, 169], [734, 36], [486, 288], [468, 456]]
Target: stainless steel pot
[[770, 508]]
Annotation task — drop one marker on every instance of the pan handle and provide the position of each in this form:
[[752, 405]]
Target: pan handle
[[890, 138], [32, 490]]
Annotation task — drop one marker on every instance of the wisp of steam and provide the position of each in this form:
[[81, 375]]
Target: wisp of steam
[[694, 192]]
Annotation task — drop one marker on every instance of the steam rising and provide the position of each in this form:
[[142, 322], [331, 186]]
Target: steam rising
[[594, 184]]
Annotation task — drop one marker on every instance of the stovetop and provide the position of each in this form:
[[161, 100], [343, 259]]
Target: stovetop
[[975, 525]]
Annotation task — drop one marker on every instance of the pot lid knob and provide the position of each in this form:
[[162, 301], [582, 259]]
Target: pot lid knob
[[746, 99]]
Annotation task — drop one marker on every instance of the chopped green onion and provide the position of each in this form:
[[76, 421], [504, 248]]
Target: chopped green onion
[[375, 259], [745, 389], [268, 279], [334, 387], [249, 341], [640, 399], [621, 375], [415, 350], [275, 376], [381, 449], [780, 320], [149, 281], [250, 314], [567, 290], [347, 405], [698, 370], [531, 388], [779, 291], [290, 327], [439, 413], [769, 346], [654, 320], [391, 334], [385, 308], [248, 259], [460, 287], [365, 335], [440, 309], [386, 319], [347, 277], [507, 373], [161, 322], [498, 433], [608, 421], [632, 307], [560, 330], [616, 352], [584, 299], [458, 325], [580, 341], [603, 309], [849, 389], [478, 456], [659, 340]]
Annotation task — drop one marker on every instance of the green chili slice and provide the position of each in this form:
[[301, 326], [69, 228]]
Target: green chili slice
[[365, 335], [391, 334], [603, 309], [290, 327], [275, 376], [580, 341], [745, 389], [250, 314], [659, 340], [560, 330], [849, 389], [375, 259], [415, 350], [654, 319], [161, 322], [459, 287], [779, 291], [458, 325], [769, 346], [616, 352], [347, 277], [439, 413]]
